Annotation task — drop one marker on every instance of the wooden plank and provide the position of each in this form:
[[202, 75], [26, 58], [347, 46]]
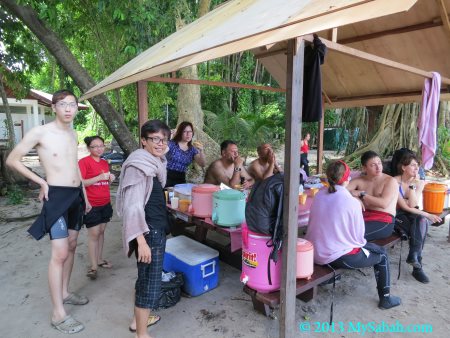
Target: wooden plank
[[294, 99], [142, 98], [320, 141], [214, 83], [444, 16], [377, 100], [374, 58], [411, 28]]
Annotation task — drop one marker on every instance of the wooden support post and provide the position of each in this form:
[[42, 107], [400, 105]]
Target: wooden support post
[[142, 98], [294, 99], [320, 141]]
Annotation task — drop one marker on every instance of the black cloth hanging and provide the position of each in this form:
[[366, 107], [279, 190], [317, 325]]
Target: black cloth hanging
[[312, 81]]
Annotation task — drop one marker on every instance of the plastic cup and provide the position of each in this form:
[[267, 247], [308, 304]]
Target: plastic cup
[[174, 202], [184, 205], [302, 198]]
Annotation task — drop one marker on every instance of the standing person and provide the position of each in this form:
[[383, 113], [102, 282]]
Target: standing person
[[63, 201], [229, 168], [96, 179], [304, 149], [181, 154], [141, 203], [379, 193], [409, 218], [265, 165], [336, 229]]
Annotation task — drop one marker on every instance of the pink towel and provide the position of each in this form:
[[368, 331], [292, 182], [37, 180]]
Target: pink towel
[[428, 119]]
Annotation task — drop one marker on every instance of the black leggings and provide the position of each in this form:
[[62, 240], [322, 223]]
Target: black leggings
[[377, 258], [416, 227], [377, 230]]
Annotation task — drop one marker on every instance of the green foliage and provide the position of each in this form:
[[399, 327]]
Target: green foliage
[[444, 143], [15, 195]]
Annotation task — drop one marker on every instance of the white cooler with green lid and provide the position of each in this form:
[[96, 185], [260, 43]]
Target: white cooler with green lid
[[198, 263]]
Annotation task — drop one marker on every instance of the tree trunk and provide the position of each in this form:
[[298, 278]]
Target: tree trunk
[[189, 106], [83, 80], [9, 120]]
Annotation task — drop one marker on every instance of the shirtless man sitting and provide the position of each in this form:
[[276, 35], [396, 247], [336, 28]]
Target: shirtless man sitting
[[229, 169], [62, 194], [265, 165], [378, 193]]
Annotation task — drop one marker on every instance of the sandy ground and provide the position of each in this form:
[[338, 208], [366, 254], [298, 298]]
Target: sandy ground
[[222, 312]]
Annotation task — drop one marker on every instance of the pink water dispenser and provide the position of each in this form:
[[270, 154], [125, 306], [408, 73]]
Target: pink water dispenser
[[255, 257]]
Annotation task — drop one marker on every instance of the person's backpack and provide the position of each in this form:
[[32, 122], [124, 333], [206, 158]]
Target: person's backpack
[[264, 212]]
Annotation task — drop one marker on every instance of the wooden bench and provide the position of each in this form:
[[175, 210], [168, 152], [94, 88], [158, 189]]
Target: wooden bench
[[306, 289]]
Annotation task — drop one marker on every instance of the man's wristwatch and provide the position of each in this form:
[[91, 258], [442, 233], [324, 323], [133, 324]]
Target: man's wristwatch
[[237, 169], [412, 186], [361, 195]]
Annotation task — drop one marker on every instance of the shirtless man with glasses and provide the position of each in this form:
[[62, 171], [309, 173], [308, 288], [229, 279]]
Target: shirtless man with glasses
[[64, 199]]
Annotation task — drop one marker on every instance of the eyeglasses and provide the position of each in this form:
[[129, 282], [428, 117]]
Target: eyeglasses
[[188, 132], [97, 147], [157, 140], [63, 105]]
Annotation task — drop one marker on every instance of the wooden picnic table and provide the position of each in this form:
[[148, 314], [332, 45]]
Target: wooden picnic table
[[230, 253]]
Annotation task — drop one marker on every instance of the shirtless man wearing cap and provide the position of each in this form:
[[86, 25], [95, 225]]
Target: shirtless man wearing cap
[[63, 197]]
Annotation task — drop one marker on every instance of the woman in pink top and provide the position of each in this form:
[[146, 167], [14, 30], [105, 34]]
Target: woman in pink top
[[338, 237]]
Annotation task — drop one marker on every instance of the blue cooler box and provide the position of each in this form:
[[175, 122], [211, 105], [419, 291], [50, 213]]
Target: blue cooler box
[[198, 263]]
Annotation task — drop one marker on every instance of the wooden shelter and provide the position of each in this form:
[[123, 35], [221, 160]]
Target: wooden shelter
[[380, 51]]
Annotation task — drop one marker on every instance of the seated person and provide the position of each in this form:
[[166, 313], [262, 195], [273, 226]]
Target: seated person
[[378, 193], [336, 229], [265, 165], [410, 219], [182, 152], [229, 169]]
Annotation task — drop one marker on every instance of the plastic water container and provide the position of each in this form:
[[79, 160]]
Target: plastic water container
[[305, 258], [228, 208], [434, 197], [198, 263], [255, 255], [202, 199]]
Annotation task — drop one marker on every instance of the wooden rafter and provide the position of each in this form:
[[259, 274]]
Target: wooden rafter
[[376, 59], [214, 83], [417, 27], [444, 16]]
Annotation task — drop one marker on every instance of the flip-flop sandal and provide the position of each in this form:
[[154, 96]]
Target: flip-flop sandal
[[68, 325], [152, 320], [105, 264], [75, 299], [92, 274]]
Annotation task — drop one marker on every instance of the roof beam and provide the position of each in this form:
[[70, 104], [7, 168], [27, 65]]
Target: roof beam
[[444, 16], [376, 59], [380, 99], [214, 83], [424, 25]]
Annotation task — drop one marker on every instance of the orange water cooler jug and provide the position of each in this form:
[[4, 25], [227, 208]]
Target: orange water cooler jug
[[434, 197]]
